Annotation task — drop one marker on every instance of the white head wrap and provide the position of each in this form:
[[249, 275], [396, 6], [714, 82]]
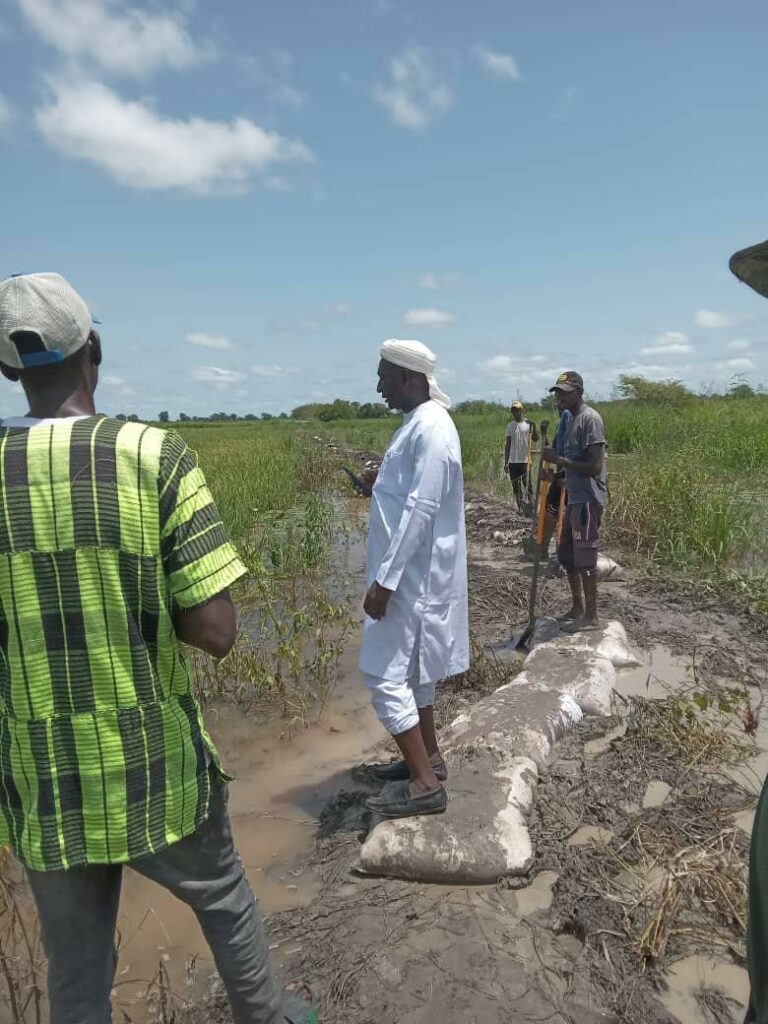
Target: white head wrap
[[414, 355]]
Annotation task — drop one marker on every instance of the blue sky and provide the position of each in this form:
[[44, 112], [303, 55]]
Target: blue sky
[[252, 196]]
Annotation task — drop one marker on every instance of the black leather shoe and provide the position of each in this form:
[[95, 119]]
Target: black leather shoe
[[401, 804], [397, 771]]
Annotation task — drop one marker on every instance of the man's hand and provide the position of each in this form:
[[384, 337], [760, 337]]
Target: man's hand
[[549, 453], [376, 601]]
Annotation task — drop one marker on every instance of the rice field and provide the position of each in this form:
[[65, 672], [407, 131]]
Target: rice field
[[688, 482]]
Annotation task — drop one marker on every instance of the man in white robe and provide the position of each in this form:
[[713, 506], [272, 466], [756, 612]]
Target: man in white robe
[[416, 629]]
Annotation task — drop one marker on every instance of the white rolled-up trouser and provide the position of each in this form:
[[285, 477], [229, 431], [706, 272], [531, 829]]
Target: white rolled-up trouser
[[397, 704]]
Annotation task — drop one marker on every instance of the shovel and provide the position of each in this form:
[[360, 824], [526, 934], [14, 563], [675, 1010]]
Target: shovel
[[519, 641]]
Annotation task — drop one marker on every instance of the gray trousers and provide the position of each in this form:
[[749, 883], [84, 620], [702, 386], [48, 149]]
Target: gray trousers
[[78, 914]]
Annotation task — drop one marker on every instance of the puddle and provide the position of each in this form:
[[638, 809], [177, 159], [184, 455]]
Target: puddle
[[688, 976], [656, 793], [536, 896], [602, 743], [745, 820], [284, 776], [752, 774], [280, 787], [661, 672], [590, 834]]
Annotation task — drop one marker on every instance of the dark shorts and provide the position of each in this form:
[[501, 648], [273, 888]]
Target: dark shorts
[[517, 470], [580, 540]]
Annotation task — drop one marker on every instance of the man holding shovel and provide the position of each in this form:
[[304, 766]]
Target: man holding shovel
[[585, 482]]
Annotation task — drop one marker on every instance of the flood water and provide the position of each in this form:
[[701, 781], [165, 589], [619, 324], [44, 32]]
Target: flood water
[[281, 784], [662, 674]]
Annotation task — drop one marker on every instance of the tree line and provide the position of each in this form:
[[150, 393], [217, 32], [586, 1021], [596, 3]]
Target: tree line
[[629, 388]]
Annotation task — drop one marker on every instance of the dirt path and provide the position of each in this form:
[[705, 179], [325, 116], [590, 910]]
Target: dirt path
[[640, 830]]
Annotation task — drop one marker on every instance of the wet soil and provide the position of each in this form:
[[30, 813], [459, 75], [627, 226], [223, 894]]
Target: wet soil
[[597, 932]]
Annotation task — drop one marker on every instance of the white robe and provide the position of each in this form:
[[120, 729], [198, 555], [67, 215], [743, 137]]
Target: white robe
[[417, 547]]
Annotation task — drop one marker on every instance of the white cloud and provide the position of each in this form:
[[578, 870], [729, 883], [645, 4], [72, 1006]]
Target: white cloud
[[520, 370], [272, 371], [667, 344], [141, 149], [743, 363], [710, 318], [415, 92], [499, 65], [738, 346], [6, 114], [209, 341], [428, 318], [118, 38], [114, 382], [215, 375], [275, 73], [434, 282]]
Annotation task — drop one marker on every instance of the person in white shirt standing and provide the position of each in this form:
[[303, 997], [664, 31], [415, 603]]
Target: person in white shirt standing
[[517, 453], [417, 625]]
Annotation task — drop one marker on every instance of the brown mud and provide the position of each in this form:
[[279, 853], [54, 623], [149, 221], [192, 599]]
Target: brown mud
[[634, 910]]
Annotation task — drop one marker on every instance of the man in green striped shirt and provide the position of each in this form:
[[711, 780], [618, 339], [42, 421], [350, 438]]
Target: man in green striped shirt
[[112, 551]]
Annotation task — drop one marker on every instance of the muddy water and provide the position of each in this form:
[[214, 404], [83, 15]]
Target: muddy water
[[281, 784], [689, 976], [661, 674], [284, 775]]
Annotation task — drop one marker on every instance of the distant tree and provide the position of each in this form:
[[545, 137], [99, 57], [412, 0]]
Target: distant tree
[[339, 409], [283, 416], [163, 417], [740, 388], [121, 416], [133, 418], [183, 417], [653, 392], [306, 412], [478, 407], [373, 411], [267, 416], [250, 416]]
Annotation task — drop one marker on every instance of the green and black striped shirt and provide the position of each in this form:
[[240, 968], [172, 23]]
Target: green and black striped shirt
[[104, 527]]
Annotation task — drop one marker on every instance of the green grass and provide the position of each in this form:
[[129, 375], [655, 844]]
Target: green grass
[[688, 483], [256, 469]]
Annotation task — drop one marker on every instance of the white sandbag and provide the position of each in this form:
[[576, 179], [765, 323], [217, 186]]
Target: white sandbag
[[609, 571], [588, 677], [482, 837]]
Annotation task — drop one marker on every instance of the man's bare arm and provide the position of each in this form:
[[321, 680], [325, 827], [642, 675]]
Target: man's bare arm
[[592, 468], [211, 627]]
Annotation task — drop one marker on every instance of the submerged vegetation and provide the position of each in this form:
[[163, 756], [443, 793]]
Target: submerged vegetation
[[686, 478], [274, 489]]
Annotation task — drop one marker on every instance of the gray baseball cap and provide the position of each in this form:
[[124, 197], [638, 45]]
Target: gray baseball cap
[[47, 306]]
